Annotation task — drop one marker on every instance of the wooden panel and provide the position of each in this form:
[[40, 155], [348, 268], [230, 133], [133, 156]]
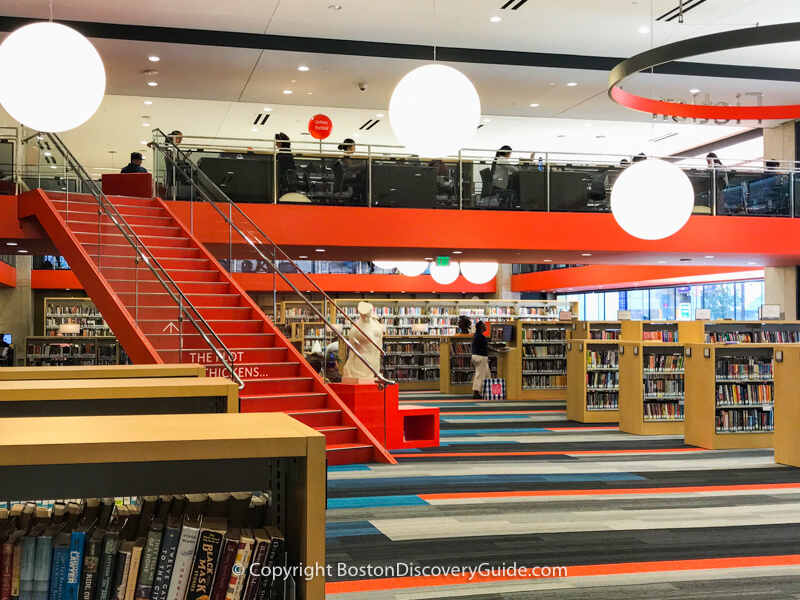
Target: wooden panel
[[101, 372], [55, 389], [787, 407]]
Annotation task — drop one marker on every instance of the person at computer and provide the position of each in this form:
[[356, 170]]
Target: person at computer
[[480, 359], [721, 178], [502, 169], [135, 166], [285, 160], [353, 170]]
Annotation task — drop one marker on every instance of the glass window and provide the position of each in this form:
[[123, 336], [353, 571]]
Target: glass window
[[719, 298], [612, 306], [753, 299], [639, 305]]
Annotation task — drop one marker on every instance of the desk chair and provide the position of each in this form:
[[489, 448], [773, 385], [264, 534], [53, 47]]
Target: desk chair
[[341, 189]]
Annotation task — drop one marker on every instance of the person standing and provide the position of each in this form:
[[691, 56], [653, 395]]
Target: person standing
[[135, 166], [480, 359]]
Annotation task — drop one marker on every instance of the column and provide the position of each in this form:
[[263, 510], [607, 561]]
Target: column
[[16, 308], [503, 282]]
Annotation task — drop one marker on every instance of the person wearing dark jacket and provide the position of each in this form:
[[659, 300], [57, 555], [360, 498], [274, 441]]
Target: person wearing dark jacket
[[135, 166], [480, 359]]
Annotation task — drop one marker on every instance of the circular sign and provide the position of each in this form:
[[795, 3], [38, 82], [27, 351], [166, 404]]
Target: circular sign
[[320, 127]]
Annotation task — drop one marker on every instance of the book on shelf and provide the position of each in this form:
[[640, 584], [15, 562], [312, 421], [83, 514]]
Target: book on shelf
[[603, 379], [596, 359], [602, 400], [746, 367], [663, 362], [660, 336], [744, 394], [745, 421], [753, 337], [663, 411]]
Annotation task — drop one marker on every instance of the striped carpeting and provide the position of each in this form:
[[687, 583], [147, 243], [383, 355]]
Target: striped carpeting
[[514, 484]]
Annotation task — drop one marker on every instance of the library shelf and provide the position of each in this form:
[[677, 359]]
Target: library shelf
[[733, 411], [671, 332], [455, 366], [111, 456], [101, 372], [596, 360], [413, 361], [786, 437], [597, 330], [748, 332], [641, 410]]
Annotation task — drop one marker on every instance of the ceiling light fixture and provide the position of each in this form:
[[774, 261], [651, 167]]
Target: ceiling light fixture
[[253, 129], [487, 120], [445, 275], [145, 124], [585, 254], [479, 273], [694, 91], [709, 256], [457, 252], [302, 256], [22, 251], [143, 142], [547, 260], [302, 68], [662, 262], [152, 83], [30, 49], [287, 91], [11, 244], [380, 115], [534, 105], [153, 58], [334, 7], [148, 102], [571, 84], [412, 268], [385, 264], [267, 109], [644, 29], [320, 250], [495, 19], [151, 73]]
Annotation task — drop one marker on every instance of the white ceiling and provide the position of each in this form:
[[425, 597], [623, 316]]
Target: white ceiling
[[215, 91]]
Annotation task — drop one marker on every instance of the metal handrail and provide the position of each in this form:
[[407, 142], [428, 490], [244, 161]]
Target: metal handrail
[[184, 304], [202, 194]]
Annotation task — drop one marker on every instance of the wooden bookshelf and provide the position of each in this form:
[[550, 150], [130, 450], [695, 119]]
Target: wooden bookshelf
[[413, 361], [748, 332], [786, 437], [597, 330], [680, 332], [740, 395], [638, 399], [455, 368], [47, 351], [74, 311], [538, 361], [295, 311], [101, 372], [139, 396], [593, 381], [83, 457]]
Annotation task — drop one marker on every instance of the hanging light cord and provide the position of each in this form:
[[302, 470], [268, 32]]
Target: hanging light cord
[[51, 11]]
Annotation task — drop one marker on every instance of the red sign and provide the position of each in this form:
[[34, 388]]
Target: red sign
[[320, 127]]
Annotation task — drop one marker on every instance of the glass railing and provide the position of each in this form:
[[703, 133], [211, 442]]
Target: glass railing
[[240, 239], [259, 171]]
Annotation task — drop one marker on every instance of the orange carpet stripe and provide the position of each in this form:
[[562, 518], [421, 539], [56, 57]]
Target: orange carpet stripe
[[613, 492], [398, 583], [562, 453]]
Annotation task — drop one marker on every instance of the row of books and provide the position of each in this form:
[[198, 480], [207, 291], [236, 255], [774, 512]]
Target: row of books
[[77, 320], [663, 411], [658, 387], [62, 349], [542, 382], [538, 334], [549, 312], [402, 373], [163, 548], [461, 362], [84, 332], [663, 362], [547, 350], [754, 337], [602, 401], [544, 366], [730, 394], [735, 367], [660, 336], [85, 310], [602, 358], [399, 361], [605, 334], [748, 420], [411, 347], [602, 379], [461, 348]]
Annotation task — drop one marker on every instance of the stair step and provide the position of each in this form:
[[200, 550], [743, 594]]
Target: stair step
[[152, 285], [252, 372], [349, 454], [339, 435], [131, 299], [168, 228], [154, 241], [123, 248], [161, 325], [206, 357], [317, 418], [280, 385], [283, 402], [129, 273], [191, 340]]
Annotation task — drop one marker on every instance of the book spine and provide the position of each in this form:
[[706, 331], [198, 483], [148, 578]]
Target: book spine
[[58, 572], [265, 590], [41, 568], [236, 583], [133, 573], [183, 564], [226, 562], [254, 581], [144, 588], [6, 568], [27, 566], [16, 569], [90, 571], [121, 570], [166, 562], [106, 571], [74, 565], [205, 563]]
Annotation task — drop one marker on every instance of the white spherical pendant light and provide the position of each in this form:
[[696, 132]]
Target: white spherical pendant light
[[478, 273], [412, 268], [652, 199], [54, 79], [435, 111], [445, 275], [384, 264]]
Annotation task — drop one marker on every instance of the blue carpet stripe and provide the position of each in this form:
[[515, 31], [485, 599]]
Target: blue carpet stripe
[[437, 482], [351, 529], [347, 468], [471, 432], [374, 501]]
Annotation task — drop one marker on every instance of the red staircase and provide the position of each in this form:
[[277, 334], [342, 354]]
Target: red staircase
[[144, 316]]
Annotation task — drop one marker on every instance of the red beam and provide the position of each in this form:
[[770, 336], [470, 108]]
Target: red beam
[[262, 282], [8, 275], [54, 280]]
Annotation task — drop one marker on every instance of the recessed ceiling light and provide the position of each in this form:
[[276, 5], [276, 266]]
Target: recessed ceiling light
[[457, 252], [152, 83], [48, 154], [709, 256], [53, 167], [379, 115], [334, 7], [302, 68], [487, 120], [309, 93], [585, 254], [534, 105], [253, 129], [356, 135], [694, 91], [644, 29], [752, 263], [662, 262], [547, 260], [302, 257], [293, 81], [571, 84], [267, 109], [145, 124], [495, 19], [11, 243], [552, 83], [287, 91], [428, 259], [148, 102], [144, 142], [151, 73], [22, 251], [320, 249], [153, 58]]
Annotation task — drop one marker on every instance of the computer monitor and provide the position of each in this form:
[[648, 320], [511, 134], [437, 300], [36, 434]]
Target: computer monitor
[[508, 333], [7, 338]]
